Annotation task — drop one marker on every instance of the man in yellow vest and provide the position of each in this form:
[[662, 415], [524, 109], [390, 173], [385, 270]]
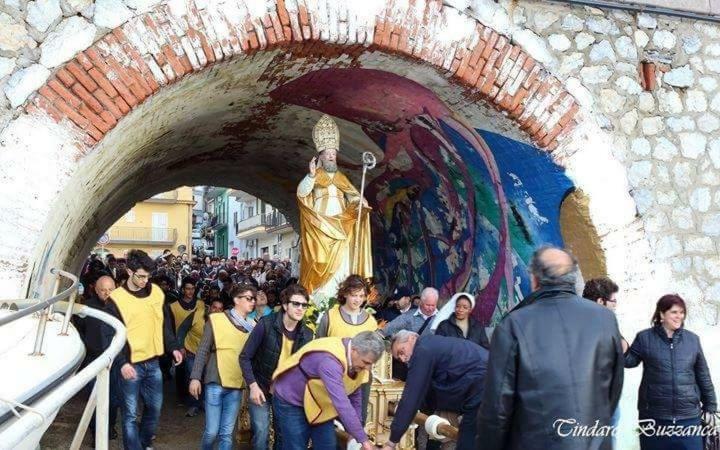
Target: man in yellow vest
[[321, 382], [188, 316], [139, 305]]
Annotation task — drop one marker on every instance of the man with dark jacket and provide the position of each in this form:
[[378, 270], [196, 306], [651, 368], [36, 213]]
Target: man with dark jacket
[[554, 364], [446, 372], [274, 338]]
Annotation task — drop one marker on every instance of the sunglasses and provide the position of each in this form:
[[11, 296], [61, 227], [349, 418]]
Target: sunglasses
[[248, 298], [299, 304]]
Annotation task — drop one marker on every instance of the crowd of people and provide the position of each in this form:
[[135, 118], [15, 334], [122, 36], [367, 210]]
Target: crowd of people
[[224, 327]]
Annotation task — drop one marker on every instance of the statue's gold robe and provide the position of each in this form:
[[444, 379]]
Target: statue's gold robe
[[328, 241]]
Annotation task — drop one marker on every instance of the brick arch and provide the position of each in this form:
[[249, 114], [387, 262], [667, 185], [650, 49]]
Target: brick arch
[[103, 83]]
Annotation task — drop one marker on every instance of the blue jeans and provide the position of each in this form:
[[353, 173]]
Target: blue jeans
[[147, 385], [187, 365], [221, 410], [260, 423], [296, 431], [614, 420]]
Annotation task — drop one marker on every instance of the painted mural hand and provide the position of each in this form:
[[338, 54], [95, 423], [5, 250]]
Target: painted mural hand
[[195, 389]]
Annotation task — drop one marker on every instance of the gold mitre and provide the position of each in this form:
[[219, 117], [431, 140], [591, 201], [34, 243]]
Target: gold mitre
[[326, 134]]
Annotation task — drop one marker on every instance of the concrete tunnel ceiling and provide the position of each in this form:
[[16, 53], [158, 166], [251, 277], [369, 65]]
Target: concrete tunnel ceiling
[[247, 124]]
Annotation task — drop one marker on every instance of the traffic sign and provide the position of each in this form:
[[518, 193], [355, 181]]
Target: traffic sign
[[104, 239]]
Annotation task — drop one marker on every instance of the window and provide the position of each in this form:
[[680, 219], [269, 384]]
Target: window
[[130, 216], [235, 219], [251, 211], [274, 250], [279, 238]]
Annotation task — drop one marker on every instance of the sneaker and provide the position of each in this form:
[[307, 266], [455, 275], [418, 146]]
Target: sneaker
[[192, 412]]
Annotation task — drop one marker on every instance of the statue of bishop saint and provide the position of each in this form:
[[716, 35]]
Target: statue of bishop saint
[[329, 205]]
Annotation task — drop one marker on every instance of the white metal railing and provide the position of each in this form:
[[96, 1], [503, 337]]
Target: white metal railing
[[99, 401]]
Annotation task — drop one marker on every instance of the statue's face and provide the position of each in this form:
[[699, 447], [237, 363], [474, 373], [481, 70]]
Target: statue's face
[[328, 158]]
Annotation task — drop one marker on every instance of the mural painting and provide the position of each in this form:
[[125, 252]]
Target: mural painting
[[455, 207]]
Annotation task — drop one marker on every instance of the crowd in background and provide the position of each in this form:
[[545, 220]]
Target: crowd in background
[[556, 354]]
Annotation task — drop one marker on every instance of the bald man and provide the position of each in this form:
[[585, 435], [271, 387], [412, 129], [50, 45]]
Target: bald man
[[555, 363]]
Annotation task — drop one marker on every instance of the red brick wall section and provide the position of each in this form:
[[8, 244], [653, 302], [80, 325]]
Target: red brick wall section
[[103, 83]]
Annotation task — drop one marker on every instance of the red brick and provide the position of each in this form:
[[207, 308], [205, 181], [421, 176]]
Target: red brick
[[84, 61], [104, 84], [47, 106], [93, 132], [490, 45], [87, 98], [82, 76], [304, 18], [172, 58], [283, 12], [109, 104], [146, 73], [63, 92], [254, 43], [94, 119], [569, 115], [109, 118], [65, 76], [122, 105], [71, 113]]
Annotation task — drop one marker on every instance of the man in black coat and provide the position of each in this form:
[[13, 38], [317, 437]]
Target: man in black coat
[[445, 371], [555, 364]]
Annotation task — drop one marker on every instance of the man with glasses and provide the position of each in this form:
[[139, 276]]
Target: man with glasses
[[603, 291], [274, 339], [140, 306]]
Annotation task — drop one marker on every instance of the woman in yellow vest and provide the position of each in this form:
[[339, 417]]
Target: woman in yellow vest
[[217, 357], [348, 318]]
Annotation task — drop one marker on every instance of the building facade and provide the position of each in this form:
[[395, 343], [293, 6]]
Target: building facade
[[163, 221], [263, 231]]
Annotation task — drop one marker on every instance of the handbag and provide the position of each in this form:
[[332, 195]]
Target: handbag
[[711, 431]]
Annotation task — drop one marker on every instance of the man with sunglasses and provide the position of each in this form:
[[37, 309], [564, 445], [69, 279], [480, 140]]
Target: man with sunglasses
[[274, 338], [139, 304]]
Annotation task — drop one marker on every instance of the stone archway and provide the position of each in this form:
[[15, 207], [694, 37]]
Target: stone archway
[[175, 45]]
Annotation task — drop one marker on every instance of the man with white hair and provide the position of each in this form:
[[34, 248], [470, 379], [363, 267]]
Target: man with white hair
[[444, 374], [416, 320]]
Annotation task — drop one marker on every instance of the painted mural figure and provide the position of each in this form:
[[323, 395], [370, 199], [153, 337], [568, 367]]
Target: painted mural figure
[[328, 205]]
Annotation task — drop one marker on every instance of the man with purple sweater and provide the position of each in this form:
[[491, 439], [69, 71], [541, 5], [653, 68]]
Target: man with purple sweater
[[321, 382]]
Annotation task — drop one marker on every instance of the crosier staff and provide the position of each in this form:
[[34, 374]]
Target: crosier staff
[[368, 162]]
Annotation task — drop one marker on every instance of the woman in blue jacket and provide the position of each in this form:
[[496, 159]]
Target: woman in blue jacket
[[676, 387]]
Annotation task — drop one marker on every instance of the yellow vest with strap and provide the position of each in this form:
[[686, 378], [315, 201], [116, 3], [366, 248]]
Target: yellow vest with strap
[[229, 342], [316, 400], [143, 318], [194, 334], [338, 327]]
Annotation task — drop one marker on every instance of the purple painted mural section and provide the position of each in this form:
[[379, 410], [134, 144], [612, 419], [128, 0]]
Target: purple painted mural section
[[441, 215]]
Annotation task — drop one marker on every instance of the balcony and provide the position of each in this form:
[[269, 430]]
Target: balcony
[[142, 235], [251, 226], [275, 221]]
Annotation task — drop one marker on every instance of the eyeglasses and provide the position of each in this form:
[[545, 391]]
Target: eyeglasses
[[141, 277], [611, 301], [248, 298], [299, 304]]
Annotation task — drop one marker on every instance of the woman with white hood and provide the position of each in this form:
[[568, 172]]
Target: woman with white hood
[[454, 320]]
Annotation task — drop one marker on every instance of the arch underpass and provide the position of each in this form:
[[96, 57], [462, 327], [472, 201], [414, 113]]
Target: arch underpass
[[461, 123]]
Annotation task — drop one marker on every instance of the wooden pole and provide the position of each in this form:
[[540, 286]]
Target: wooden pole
[[448, 431]]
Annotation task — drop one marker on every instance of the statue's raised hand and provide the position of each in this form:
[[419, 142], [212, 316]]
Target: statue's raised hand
[[313, 166]]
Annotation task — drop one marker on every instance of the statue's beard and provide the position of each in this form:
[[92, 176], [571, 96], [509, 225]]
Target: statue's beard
[[330, 166]]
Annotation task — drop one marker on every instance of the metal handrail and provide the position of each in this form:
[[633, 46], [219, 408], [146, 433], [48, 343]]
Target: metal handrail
[[99, 368], [47, 303]]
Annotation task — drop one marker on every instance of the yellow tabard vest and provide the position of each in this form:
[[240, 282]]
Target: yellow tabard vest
[[194, 334], [229, 342], [338, 327], [143, 318], [316, 400]]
